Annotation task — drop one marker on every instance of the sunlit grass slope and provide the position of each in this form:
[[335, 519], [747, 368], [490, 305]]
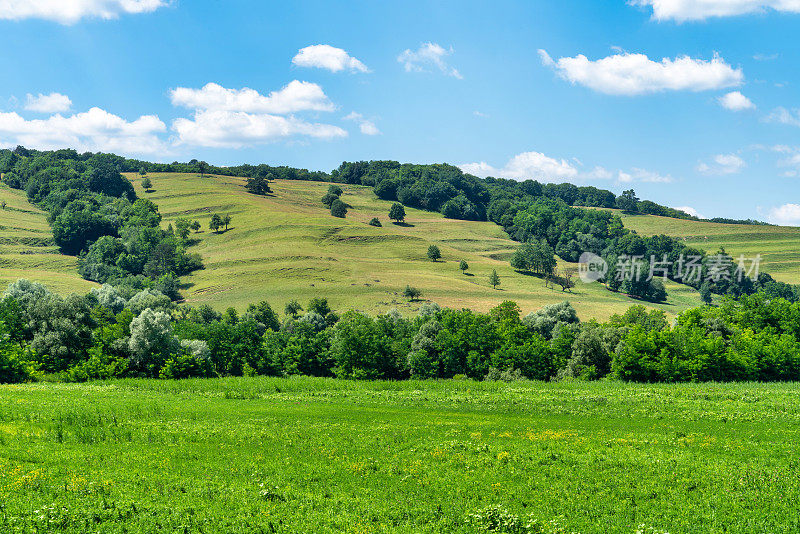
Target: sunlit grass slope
[[27, 249], [288, 246], [779, 246]]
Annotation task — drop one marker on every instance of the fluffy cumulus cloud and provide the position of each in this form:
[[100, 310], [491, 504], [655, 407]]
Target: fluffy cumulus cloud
[[636, 74], [735, 101], [52, 103], [637, 174], [721, 165], [237, 118], [237, 129], [94, 130], [527, 165], [296, 96], [690, 210], [367, 127], [429, 56], [788, 214], [328, 57], [71, 11], [692, 10], [538, 166], [782, 115]]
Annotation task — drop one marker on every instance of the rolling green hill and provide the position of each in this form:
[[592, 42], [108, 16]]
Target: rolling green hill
[[27, 249], [288, 246]]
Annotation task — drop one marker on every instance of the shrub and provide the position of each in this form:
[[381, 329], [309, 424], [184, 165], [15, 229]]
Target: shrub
[[338, 209], [375, 222]]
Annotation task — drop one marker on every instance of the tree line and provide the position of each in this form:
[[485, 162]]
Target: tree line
[[119, 332]]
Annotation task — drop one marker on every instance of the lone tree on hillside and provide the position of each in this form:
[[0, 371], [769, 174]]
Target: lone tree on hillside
[[258, 185], [202, 168], [628, 201], [216, 222], [182, 228], [196, 226], [494, 279], [412, 293], [434, 253], [293, 308], [397, 212], [226, 220], [338, 208], [142, 172], [146, 183], [463, 266]]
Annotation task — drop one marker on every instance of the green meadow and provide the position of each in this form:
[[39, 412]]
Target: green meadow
[[27, 249], [321, 455]]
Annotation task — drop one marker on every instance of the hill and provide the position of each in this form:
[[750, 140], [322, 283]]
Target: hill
[[288, 246], [779, 246], [27, 249]]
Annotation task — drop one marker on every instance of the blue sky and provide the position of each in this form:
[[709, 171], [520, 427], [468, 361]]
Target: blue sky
[[692, 104]]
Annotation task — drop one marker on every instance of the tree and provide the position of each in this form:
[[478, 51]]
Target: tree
[[258, 185], [151, 341], [196, 226], [494, 279], [292, 308], [3, 204], [182, 228], [411, 293], [329, 198], [146, 183], [705, 293], [335, 190], [434, 253], [338, 208], [142, 172], [226, 220], [628, 201], [375, 222], [397, 212], [566, 279], [216, 222], [463, 266], [202, 167]]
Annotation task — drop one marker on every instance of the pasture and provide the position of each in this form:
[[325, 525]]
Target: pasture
[[320, 455]]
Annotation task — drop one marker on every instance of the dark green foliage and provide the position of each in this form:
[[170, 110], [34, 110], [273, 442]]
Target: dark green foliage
[[338, 208], [215, 223], [412, 293], [463, 266], [375, 222], [147, 184], [397, 212], [628, 201], [259, 184], [494, 279], [434, 253]]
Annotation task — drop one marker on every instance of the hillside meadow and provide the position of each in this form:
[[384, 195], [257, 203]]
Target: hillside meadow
[[287, 246], [321, 455]]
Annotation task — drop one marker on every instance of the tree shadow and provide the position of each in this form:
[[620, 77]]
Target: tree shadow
[[403, 224], [468, 274]]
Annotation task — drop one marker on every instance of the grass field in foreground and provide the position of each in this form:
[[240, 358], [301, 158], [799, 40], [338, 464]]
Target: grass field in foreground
[[317, 455], [288, 246], [27, 249]]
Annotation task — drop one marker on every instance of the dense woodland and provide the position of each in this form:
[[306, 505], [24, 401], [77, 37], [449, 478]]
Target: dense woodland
[[108, 333]]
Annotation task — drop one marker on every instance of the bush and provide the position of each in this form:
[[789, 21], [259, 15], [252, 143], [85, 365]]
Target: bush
[[375, 222], [338, 209]]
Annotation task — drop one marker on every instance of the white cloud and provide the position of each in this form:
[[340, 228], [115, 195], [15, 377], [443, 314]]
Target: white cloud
[[71, 11], [788, 214], [426, 56], [736, 101], [296, 96], [367, 127], [689, 10], [765, 57], [722, 164], [52, 103], [328, 57], [524, 166], [537, 166], [237, 129], [642, 175], [480, 114], [636, 74], [94, 130], [782, 115], [690, 210]]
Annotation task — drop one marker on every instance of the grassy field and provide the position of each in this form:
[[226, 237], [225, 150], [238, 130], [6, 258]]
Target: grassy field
[[779, 246], [27, 249], [317, 455], [288, 246]]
